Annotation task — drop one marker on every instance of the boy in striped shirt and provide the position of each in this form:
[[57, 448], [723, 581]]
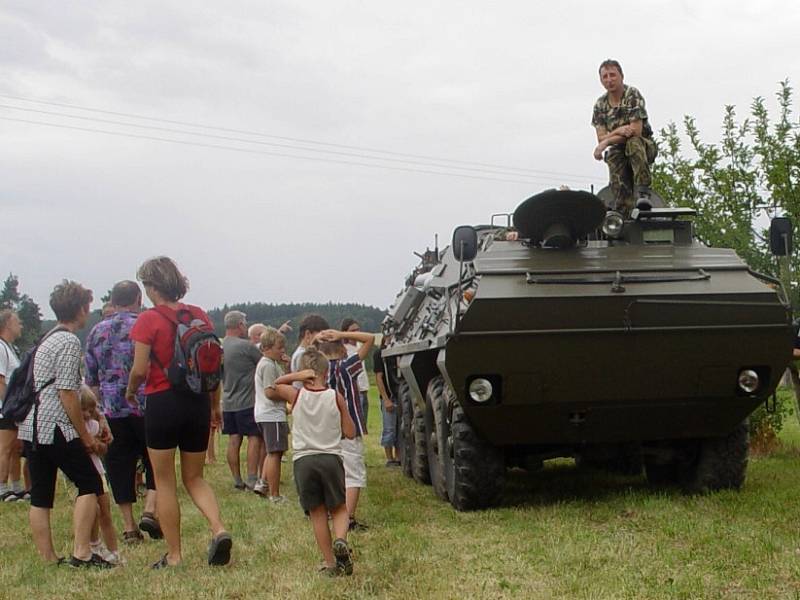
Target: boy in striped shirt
[[342, 376]]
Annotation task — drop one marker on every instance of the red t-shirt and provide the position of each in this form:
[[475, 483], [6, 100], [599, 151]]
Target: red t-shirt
[[158, 332]]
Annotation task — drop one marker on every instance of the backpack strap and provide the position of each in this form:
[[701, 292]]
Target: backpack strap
[[167, 313], [48, 383]]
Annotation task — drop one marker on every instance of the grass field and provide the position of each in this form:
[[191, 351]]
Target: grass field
[[561, 533]]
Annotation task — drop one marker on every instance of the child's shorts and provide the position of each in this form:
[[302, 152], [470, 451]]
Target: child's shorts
[[275, 435], [355, 470], [320, 480]]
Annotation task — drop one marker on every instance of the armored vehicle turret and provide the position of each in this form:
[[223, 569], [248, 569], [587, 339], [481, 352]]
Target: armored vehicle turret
[[620, 341]]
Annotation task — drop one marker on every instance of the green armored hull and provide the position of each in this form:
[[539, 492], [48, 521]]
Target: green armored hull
[[646, 349]]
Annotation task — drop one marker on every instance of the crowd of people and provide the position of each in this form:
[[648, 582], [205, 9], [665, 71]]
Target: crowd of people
[[106, 412]]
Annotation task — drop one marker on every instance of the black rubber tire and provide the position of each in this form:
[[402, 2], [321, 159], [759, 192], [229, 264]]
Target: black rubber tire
[[419, 435], [404, 438], [474, 470], [720, 463], [434, 399]]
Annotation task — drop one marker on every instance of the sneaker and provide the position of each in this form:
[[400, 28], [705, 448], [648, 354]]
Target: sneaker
[[240, 486], [392, 463], [277, 499], [356, 526], [9, 496], [261, 488], [96, 562], [149, 524], [115, 558], [99, 548], [24, 495], [344, 557]]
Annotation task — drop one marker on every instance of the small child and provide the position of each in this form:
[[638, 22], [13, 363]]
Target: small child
[[103, 522], [342, 377], [270, 412], [320, 420]]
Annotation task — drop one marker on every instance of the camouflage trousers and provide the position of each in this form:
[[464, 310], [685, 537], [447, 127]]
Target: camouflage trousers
[[628, 167]]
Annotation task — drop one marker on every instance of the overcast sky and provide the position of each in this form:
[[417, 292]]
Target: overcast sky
[[509, 84]]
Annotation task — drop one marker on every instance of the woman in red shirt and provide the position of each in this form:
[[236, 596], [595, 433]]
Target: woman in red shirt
[[174, 418]]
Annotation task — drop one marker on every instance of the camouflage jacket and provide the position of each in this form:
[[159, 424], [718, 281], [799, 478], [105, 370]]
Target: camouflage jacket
[[631, 108]]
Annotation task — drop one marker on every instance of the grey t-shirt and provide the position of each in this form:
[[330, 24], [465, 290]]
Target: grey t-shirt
[[295, 365], [8, 362], [241, 358], [266, 410]]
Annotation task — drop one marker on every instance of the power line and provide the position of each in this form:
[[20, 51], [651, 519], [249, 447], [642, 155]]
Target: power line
[[264, 152], [519, 170], [263, 143]]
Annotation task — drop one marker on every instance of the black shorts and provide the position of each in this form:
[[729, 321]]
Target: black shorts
[[177, 419], [123, 456], [320, 480], [7, 424], [73, 460], [240, 422], [275, 435]]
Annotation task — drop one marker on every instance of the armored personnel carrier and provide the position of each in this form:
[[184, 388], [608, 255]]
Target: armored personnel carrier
[[572, 331]]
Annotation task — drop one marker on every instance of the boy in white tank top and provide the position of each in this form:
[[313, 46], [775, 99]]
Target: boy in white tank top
[[320, 419]]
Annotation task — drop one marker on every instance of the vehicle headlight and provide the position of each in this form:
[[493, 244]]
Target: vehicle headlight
[[480, 390], [612, 224], [748, 380]]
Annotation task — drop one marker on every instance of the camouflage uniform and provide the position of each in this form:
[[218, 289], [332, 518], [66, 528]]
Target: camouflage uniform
[[628, 163]]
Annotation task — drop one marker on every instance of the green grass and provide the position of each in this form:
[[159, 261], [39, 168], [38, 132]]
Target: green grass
[[561, 533]]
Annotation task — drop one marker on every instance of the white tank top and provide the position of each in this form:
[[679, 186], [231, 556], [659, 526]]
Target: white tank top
[[316, 423]]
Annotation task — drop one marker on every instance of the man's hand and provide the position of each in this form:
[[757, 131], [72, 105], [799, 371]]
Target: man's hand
[[598, 151], [285, 359], [285, 327], [388, 405]]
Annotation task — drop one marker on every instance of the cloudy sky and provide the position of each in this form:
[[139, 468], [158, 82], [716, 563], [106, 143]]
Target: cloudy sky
[[419, 116]]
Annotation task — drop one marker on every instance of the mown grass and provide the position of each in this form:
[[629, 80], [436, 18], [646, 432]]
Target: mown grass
[[561, 533]]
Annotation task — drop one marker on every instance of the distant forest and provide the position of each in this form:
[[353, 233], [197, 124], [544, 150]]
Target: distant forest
[[369, 317]]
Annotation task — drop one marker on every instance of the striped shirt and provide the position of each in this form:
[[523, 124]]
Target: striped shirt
[[59, 357], [343, 377]]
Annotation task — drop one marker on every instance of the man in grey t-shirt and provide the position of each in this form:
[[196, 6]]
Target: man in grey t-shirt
[[238, 399]]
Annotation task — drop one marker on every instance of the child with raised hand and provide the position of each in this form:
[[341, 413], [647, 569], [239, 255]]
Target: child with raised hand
[[343, 377], [270, 412], [320, 420], [103, 522]]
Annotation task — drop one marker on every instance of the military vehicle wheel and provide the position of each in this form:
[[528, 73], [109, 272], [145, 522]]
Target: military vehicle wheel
[[419, 458], [434, 401], [474, 470], [720, 464], [404, 439]]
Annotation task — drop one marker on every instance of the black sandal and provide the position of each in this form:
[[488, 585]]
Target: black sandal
[[219, 550], [161, 563]]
